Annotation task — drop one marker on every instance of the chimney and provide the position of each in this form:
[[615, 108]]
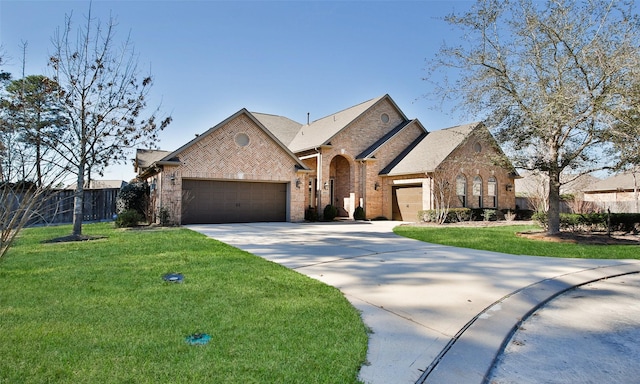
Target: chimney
[[308, 115]]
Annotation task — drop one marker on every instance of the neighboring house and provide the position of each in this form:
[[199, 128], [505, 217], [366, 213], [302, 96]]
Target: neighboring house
[[618, 193], [261, 167], [101, 184], [532, 190]]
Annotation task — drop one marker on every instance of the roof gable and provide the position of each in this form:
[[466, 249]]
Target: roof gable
[[173, 157], [146, 157], [430, 151], [321, 131], [370, 152]]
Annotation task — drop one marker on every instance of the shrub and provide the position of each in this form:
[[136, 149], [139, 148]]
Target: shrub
[[454, 215], [128, 218], [311, 214], [541, 218], [625, 222], [133, 196], [358, 214], [488, 214], [330, 212], [461, 214], [164, 216], [428, 216], [509, 215]]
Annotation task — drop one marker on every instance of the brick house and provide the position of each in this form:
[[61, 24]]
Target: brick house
[[261, 167], [618, 193]]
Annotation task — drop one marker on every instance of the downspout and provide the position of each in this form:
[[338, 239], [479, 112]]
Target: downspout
[[319, 181], [363, 185], [318, 157]]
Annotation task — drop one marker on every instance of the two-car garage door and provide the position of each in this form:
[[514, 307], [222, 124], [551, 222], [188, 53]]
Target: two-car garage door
[[212, 202]]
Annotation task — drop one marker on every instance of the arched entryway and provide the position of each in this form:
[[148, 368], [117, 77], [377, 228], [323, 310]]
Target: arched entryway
[[340, 187]]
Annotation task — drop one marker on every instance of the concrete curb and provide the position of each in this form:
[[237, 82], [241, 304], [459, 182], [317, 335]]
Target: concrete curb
[[469, 357]]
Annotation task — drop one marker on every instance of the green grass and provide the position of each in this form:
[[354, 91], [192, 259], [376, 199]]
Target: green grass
[[99, 312], [503, 239]]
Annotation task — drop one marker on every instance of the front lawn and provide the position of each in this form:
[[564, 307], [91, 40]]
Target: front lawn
[[100, 312], [503, 239]]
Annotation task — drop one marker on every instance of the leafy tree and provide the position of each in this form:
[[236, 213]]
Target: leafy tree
[[33, 119], [550, 77], [21, 198], [5, 77], [103, 98]]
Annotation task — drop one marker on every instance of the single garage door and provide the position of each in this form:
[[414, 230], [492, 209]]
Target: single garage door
[[214, 202], [407, 202]]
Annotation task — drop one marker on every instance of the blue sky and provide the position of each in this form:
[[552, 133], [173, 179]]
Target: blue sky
[[209, 59]]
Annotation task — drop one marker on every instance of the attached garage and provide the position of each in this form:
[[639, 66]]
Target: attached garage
[[407, 202], [213, 201]]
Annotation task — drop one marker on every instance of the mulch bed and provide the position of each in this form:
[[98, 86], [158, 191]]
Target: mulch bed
[[72, 238], [592, 238]]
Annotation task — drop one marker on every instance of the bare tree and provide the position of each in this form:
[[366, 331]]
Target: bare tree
[[103, 96], [550, 77]]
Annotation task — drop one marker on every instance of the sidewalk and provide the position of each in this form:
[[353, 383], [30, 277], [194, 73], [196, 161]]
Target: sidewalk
[[419, 299]]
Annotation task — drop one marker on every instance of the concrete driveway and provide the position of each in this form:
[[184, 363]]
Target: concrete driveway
[[438, 314]]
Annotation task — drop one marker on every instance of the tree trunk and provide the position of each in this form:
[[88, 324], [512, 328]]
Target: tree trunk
[[78, 202], [635, 191], [554, 203]]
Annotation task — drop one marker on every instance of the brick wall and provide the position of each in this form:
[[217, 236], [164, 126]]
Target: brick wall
[[485, 161], [377, 201], [350, 142], [217, 156]]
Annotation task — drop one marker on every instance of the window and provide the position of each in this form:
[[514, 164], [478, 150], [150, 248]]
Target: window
[[332, 192], [385, 118], [242, 139], [477, 190], [477, 147], [312, 192], [461, 189], [492, 191]]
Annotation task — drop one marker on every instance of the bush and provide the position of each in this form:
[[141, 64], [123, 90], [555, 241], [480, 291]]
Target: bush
[[461, 214], [133, 196], [330, 212], [454, 215], [509, 215], [164, 216], [626, 222], [489, 214], [358, 214], [311, 214], [128, 218]]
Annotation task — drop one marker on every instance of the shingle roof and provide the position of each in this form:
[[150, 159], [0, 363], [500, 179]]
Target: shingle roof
[[146, 157], [281, 127], [320, 132], [173, 156], [101, 184], [623, 181], [429, 151], [369, 152]]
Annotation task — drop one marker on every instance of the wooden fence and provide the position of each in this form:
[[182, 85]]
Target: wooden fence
[[57, 206]]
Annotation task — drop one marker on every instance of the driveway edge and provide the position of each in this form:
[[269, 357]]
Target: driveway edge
[[469, 357]]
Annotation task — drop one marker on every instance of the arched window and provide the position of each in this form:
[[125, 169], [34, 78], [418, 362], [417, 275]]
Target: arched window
[[477, 190], [492, 191], [461, 189]]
